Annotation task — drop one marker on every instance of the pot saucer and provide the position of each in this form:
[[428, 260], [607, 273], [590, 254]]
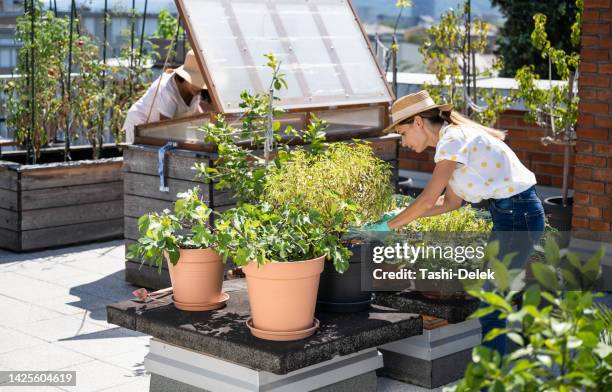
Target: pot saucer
[[194, 307], [282, 336]]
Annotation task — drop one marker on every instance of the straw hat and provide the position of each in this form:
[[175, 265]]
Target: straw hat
[[411, 105], [190, 71]]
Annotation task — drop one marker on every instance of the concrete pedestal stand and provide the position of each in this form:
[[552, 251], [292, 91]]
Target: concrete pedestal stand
[[198, 372], [435, 358]]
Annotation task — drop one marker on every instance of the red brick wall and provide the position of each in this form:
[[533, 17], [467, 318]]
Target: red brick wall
[[593, 187], [545, 161]]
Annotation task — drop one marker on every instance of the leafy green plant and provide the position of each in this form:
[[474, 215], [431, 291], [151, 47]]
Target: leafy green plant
[[557, 106], [50, 50], [331, 175], [167, 25], [166, 233], [264, 234], [463, 219], [87, 107], [448, 53], [560, 335]]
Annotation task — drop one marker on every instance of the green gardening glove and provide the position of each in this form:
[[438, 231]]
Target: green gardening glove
[[381, 225]]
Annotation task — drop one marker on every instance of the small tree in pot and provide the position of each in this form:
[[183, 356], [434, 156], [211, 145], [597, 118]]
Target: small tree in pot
[[556, 108]]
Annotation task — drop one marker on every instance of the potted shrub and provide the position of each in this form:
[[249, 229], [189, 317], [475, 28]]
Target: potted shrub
[[334, 175], [184, 239], [168, 29], [556, 108], [282, 252]]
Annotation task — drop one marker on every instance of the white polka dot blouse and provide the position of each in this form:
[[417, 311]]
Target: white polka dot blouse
[[487, 168]]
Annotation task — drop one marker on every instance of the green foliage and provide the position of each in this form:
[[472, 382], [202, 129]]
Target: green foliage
[[342, 173], [90, 104], [263, 234], [463, 219], [561, 335], [50, 47], [557, 102], [514, 41], [445, 53], [167, 25], [167, 233], [256, 230]]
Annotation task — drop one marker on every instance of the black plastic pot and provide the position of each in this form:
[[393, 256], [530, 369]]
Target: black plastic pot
[[560, 217], [342, 292]]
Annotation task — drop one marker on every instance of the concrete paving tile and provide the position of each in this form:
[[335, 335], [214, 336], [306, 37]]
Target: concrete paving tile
[[95, 262], [59, 275], [14, 313], [45, 356], [75, 304], [106, 344], [140, 385], [97, 375], [114, 249], [11, 340], [63, 327], [132, 360], [27, 289]]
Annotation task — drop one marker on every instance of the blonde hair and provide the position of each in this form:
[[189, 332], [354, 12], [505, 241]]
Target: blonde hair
[[453, 117]]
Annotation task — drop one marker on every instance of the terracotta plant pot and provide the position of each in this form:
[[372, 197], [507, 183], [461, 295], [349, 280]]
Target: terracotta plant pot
[[197, 280], [282, 297]]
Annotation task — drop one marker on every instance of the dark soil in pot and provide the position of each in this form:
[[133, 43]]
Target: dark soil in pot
[[342, 292], [560, 217]]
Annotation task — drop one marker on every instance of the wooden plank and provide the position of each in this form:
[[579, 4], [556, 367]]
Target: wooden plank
[[177, 166], [385, 149], [130, 225], [9, 239], [148, 186], [71, 195], [55, 175], [137, 206], [8, 175], [72, 234], [9, 219], [71, 215], [8, 200]]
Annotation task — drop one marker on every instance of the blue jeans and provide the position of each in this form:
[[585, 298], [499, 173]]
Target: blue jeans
[[518, 223]]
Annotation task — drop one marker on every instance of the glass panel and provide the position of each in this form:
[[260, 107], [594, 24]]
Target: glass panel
[[360, 120], [324, 55]]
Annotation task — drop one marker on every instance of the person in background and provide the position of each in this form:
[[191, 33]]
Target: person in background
[[472, 163], [176, 93]]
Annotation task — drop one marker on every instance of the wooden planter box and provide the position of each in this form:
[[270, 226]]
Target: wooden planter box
[[54, 204], [142, 194]]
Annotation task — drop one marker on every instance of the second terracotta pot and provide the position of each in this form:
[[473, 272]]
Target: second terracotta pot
[[282, 297], [197, 279]]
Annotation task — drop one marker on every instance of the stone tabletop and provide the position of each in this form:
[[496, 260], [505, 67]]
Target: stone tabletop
[[223, 333], [454, 310]]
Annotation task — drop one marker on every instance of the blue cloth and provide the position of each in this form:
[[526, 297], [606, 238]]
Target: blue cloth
[[518, 224], [161, 158]]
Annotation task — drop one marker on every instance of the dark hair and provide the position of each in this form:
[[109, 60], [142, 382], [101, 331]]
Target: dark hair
[[205, 96], [434, 116], [179, 78]]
